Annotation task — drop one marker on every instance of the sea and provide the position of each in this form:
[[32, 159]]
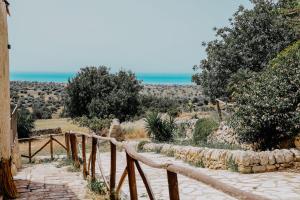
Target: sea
[[145, 78]]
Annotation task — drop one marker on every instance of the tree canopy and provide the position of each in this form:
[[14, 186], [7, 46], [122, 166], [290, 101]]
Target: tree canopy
[[255, 37], [268, 103], [95, 92]]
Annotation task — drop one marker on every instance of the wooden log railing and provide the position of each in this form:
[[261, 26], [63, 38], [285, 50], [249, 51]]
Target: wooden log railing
[[133, 161]]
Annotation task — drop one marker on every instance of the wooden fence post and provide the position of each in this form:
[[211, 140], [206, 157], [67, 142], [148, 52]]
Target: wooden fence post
[[93, 160], [113, 159], [73, 141], [84, 156], [67, 141], [131, 178], [173, 185], [51, 147], [29, 150], [219, 110]]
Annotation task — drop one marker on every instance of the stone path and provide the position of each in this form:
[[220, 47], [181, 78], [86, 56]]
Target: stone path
[[274, 185], [46, 181]]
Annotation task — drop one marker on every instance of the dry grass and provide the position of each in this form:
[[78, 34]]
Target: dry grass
[[135, 130], [64, 123]]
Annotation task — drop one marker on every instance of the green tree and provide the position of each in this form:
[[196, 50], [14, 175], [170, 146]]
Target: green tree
[[268, 103], [255, 37], [25, 123], [95, 92]]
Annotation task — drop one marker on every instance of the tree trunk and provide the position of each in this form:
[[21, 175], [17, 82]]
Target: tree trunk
[[7, 186]]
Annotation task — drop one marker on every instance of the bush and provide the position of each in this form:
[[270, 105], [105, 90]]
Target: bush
[[268, 104], [97, 186], [203, 128], [158, 129], [159, 104], [95, 124], [25, 123], [95, 92]]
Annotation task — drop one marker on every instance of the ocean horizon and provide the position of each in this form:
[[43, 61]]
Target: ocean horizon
[[145, 78]]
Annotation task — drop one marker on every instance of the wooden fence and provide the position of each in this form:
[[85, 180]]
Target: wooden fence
[[49, 142], [133, 161]]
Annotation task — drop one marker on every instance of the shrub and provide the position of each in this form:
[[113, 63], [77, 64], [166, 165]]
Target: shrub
[[97, 186], [95, 92], [95, 124], [268, 104], [159, 104], [25, 123], [159, 129], [203, 128]]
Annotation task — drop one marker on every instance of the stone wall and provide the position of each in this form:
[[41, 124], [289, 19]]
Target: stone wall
[[243, 161], [46, 132]]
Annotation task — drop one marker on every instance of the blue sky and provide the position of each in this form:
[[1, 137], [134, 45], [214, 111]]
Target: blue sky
[[161, 36]]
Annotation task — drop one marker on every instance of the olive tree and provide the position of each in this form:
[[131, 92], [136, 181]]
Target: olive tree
[[95, 92]]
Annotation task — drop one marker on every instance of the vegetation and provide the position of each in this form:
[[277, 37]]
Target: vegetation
[[25, 122], [97, 187], [268, 108], [43, 99], [255, 37], [161, 130], [203, 128], [159, 104], [95, 124], [232, 166], [95, 92]]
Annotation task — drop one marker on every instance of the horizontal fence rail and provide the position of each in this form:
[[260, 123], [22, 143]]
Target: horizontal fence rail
[[134, 159]]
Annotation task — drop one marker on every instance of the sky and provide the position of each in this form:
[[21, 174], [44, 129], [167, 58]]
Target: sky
[[145, 36]]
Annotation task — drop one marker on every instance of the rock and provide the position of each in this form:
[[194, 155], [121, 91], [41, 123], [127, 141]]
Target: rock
[[264, 157], [244, 169], [288, 156], [296, 153], [271, 158], [244, 158], [271, 168], [297, 142], [297, 164], [279, 157], [115, 130], [259, 169]]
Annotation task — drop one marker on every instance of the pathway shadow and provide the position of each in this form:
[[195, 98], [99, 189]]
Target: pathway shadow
[[36, 190]]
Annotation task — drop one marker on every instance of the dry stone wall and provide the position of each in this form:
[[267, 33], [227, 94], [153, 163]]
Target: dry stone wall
[[243, 161]]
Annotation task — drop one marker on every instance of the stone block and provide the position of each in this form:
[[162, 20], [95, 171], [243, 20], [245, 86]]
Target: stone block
[[244, 169], [259, 169]]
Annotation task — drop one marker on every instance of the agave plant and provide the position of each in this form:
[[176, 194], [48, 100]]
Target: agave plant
[[159, 129]]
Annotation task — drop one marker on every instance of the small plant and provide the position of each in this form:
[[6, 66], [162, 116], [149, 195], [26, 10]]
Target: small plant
[[203, 128], [158, 129], [140, 146], [232, 166], [97, 187], [200, 163]]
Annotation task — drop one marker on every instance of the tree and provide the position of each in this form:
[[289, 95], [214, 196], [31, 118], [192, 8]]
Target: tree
[[25, 123], [95, 92], [254, 38], [268, 103]]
